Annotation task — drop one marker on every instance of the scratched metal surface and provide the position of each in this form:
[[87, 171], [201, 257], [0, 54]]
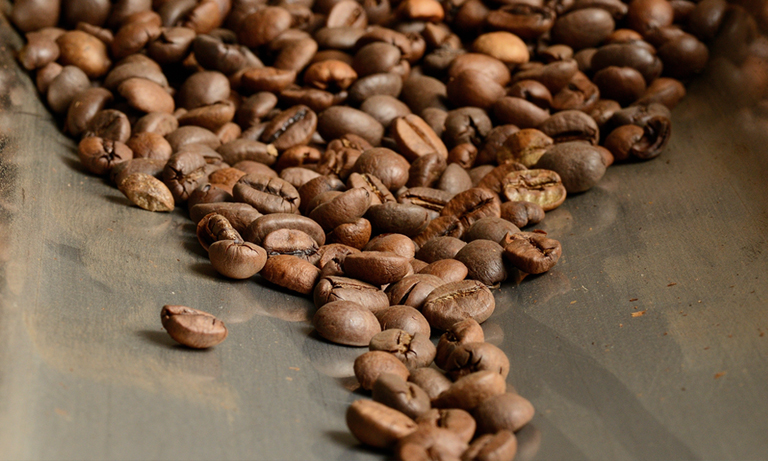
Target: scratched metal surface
[[86, 371]]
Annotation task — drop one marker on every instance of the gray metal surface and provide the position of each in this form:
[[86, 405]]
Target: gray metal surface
[[645, 342]]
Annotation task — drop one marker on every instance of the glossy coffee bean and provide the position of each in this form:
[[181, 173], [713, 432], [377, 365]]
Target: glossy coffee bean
[[193, 328], [505, 411], [449, 270], [472, 390], [237, 259], [457, 301], [377, 425], [490, 228], [369, 366], [395, 392], [429, 442], [522, 214], [346, 322], [335, 288], [472, 357], [404, 318], [532, 252], [467, 331], [484, 261], [578, 164], [415, 350], [292, 273], [406, 219]]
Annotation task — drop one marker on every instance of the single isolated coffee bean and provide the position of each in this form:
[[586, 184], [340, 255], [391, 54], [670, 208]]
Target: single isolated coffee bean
[[192, 327]]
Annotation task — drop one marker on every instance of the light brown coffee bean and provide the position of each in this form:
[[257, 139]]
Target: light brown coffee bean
[[192, 327], [147, 192]]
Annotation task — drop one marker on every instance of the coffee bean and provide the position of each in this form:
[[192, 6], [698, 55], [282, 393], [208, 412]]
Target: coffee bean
[[385, 108], [355, 234], [346, 322], [382, 84], [646, 15], [571, 125], [336, 288], [214, 227], [469, 391], [473, 88], [490, 228], [120, 171], [336, 121], [454, 180], [394, 392], [369, 366], [84, 51], [156, 122], [378, 191], [292, 273], [193, 328], [404, 318], [413, 289], [387, 165], [579, 165], [149, 145], [268, 195], [501, 446], [542, 187], [432, 381], [147, 192], [484, 262], [583, 28], [440, 248], [377, 267], [394, 243], [346, 207], [449, 270], [623, 84], [109, 124], [532, 252], [457, 301], [376, 424], [183, 173], [99, 155], [415, 350], [472, 357], [185, 136], [505, 411], [415, 138], [518, 112], [291, 242], [455, 420], [471, 205], [237, 259], [407, 219], [429, 442], [504, 46], [522, 214], [467, 331]]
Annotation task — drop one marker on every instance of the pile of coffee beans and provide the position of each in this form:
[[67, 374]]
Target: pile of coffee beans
[[381, 156]]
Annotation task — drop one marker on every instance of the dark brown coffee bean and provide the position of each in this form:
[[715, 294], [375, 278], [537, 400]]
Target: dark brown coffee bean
[[455, 420], [156, 122], [478, 356], [261, 227], [268, 195], [355, 234], [473, 88], [135, 66], [430, 443], [642, 143], [426, 170], [291, 242], [347, 207], [39, 51], [467, 125], [214, 227], [506, 411], [84, 108], [390, 167], [583, 28], [493, 142], [646, 15], [109, 124], [394, 243], [346, 322], [263, 26], [406, 397], [463, 155], [240, 215], [99, 155], [666, 91], [440, 248], [457, 301], [454, 180], [185, 136], [532, 252], [706, 18], [490, 228], [172, 45], [133, 36], [84, 51], [471, 390], [628, 55], [337, 121], [335, 288], [684, 57], [427, 197], [385, 109], [298, 176], [147, 192], [402, 218], [484, 261], [372, 364], [32, 15], [316, 186], [433, 382], [267, 79], [378, 192], [183, 173], [464, 332], [532, 91], [449, 270], [501, 446], [525, 147], [415, 138], [413, 289], [191, 327], [555, 76], [292, 127], [443, 226], [237, 259], [522, 214], [376, 267], [571, 125], [376, 424], [491, 67], [65, 87], [542, 187], [518, 112], [578, 164], [471, 205], [292, 273], [383, 84], [623, 84], [421, 92], [415, 350], [404, 318]]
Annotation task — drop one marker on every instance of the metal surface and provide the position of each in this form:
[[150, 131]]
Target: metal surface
[[645, 342]]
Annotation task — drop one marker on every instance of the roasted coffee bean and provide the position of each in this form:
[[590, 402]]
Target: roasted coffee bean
[[263, 26], [501, 446], [432, 381], [183, 173], [622, 84], [504, 46], [413, 289], [583, 28], [99, 155], [147, 192], [415, 350], [641, 143], [378, 192], [440, 248], [65, 87], [473, 88], [518, 112], [334, 288], [387, 165], [237, 259], [384, 108], [394, 243], [156, 122], [532, 252], [415, 138], [403, 318], [376, 424], [406, 219], [191, 327], [666, 91], [472, 357], [449, 270], [317, 186], [355, 234], [377, 267], [267, 79], [420, 92], [455, 420], [555, 76], [298, 176], [490, 228], [628, 55], [457, 301], [471, 205], [638, 115], [443, 226], [406, 397], [524, 147], [292, 273], [383, 84], [337, 121], [84, 108], [345, 208], [31, 15], [120, 171], [491, 67], [646, 15], [369, 366], [346, 322], [522, 214], [172, 45], [484, 261], [578, 164], [506, 411], [471, 390], [268, 195], [240, 215], [467, 125], [292, 127], [149, 145], [463, 155], [430, 443], [426, 197], [454, 180], [291, 242], [226, 178], [214, 227], [39, 51], [109, 124], [464, 332], [146, 96], [542, 187], [706, 18], [571, 125], [185, 136], [247, 149], [261, 227], [493, 142], [533, 91], [683, 57]]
